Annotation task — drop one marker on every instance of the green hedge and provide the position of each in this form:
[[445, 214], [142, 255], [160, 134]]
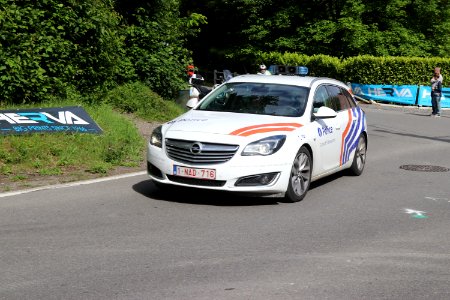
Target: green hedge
[[318, 65], [365, 69], [393, 70]]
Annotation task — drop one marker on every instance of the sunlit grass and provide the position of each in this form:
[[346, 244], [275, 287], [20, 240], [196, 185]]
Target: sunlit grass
[[120, 144], [56, 154]]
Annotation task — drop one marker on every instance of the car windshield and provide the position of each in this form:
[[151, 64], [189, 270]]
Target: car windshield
[[257, 98]]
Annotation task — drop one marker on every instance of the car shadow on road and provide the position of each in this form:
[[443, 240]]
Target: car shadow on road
[[205, 197], [201, 197]]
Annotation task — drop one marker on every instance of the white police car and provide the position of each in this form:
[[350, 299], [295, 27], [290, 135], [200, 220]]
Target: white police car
[[262, 135]]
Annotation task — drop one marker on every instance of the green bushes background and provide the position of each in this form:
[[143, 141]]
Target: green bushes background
[[366, 69], [48, 47], [54, 48]]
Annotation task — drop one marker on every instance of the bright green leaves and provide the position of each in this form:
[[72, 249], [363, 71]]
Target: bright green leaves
[[196, 20], [48, 46]]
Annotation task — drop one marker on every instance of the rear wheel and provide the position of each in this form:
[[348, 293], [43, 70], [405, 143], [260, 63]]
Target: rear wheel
[[300, 177], [359, 161]]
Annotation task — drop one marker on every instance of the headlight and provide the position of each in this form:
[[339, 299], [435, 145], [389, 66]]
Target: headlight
[[266, 146], [156, 137]]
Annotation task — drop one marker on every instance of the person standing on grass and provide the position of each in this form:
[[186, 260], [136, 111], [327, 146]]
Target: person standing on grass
[[436, 92]]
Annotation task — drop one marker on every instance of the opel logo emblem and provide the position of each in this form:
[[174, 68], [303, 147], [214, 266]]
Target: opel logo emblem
[[196, 148]]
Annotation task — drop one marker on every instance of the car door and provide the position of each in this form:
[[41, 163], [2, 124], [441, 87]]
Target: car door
[[340, 101], [353, 119], [327, 131], [333, 133]]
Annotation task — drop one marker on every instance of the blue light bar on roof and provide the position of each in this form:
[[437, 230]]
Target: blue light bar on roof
[[302, 71], [288, 70]]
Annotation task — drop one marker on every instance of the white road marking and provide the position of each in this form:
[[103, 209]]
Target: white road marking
[[416, 213], [76, 183], [435, 199]]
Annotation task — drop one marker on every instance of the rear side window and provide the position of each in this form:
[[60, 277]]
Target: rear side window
[[334, 97], [349, 97]]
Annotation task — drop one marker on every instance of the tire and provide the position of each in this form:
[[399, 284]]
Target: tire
[[359, 160], [300, 177]]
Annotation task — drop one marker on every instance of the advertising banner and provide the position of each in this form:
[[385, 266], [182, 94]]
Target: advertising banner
[[403, 94], [424, 98], [71, 119]]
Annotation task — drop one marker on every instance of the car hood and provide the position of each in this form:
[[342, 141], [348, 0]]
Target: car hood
[[235, 124]]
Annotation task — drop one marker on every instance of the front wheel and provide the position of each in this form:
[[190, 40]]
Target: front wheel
[[359, 161], [300, 177]]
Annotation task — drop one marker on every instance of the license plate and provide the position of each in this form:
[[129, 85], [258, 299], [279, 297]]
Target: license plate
[[194, 172]]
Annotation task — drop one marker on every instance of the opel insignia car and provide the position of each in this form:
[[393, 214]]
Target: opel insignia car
[[262, 135]]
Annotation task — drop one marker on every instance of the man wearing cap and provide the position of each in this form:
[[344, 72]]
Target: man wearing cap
[[263, 70]]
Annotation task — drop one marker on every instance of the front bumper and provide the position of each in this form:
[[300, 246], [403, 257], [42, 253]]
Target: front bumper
[[253, 174]]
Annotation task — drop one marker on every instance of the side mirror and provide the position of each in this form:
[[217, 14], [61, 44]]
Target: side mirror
[[324, 113]]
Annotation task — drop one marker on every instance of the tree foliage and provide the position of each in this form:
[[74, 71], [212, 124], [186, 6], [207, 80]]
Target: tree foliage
[[156, 42], [343, 28], [48, 45]]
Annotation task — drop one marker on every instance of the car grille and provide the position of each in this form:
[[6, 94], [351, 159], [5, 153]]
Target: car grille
[[194, 181], [193, 152]]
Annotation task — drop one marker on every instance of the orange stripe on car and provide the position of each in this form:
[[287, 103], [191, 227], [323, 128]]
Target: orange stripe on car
[[262, 130], [268, 127]]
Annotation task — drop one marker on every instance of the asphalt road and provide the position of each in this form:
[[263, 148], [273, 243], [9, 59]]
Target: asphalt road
[[383, 235]]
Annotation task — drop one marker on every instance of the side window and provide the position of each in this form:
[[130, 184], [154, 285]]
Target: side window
[[320, 98]]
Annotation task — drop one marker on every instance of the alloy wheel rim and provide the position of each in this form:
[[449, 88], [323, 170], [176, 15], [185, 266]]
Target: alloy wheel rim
[[301, 174], [361, 153]]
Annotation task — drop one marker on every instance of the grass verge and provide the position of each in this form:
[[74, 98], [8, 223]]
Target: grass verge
[[38, 157]]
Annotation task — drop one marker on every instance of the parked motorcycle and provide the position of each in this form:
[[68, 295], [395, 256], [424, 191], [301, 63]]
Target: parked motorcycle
[[198, 90]]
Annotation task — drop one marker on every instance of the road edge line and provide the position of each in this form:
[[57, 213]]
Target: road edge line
[[71, 184]]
